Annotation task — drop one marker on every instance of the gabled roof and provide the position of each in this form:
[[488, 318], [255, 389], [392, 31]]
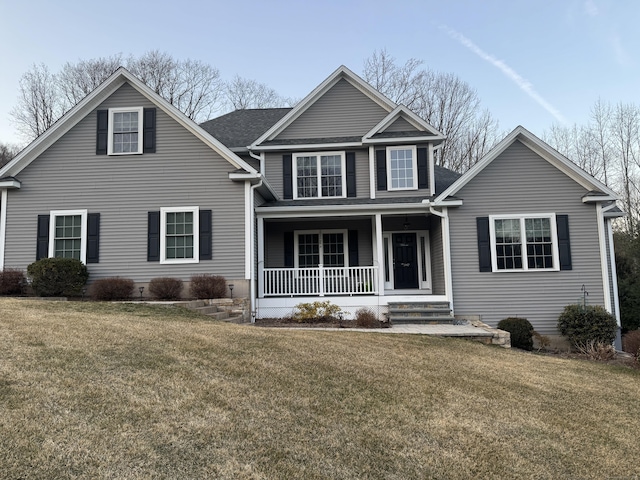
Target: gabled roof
[[424, 129], [552, 156], [95, 98], [341, 73], [240, 128]]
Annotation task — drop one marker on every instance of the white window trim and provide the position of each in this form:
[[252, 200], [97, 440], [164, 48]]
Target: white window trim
[[525, 263], [296, 244], [112, 111], [343, 169], [414, 161], [163, 232], [83, 225]]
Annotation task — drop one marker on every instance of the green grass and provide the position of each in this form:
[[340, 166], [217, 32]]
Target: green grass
[[91, 390]]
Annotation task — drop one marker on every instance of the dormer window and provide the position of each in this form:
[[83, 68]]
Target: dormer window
[[125, 131], [319, 175], [401, 169]]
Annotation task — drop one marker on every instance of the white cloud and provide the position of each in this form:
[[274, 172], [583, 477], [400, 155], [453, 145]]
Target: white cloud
[[522, 83]]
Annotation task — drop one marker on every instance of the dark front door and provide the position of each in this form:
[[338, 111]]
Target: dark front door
[[405, 261]]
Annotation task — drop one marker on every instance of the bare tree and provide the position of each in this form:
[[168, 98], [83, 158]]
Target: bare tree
[[446, 102], [77, 80], [7, 152], [243, 93], [39, 102]]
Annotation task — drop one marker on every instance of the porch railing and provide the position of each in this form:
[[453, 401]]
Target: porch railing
[[320, 281]]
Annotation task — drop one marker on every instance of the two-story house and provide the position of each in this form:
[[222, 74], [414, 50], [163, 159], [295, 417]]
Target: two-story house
[[336, 199]]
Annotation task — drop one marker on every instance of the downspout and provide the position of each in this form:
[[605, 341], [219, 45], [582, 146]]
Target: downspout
[[446, 250], [252, 268]]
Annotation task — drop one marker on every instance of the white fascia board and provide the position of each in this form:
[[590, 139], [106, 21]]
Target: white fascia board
[[400, 140], [316, 93], [63, 125], [91, 101], [598, 198], [541, 148], [445, 203], [10, 184], [412, 118], [254, 178], [333, 210], [307, 146]]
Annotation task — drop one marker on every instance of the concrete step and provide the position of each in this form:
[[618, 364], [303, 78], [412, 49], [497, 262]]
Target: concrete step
[[420, 313], [207, 310], [218, 315], [440, 320]]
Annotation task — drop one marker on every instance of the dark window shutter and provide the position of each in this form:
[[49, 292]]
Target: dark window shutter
[[206, 235], [93, 238], [381, 169], [351, 174], [353, 248], [149, 129], [423, 168], [153, 240], [102, 132], [42, 241], [484, 244], [564, 248], [287, 176], [288, 250]]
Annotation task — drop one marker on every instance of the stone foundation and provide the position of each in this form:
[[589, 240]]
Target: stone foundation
[[499, 337]]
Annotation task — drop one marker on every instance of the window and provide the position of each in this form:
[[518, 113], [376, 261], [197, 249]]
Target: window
[[125, 131], [327, 245], [401, 168], [524, 242], [319, 175], [68, 234], [179, 237]]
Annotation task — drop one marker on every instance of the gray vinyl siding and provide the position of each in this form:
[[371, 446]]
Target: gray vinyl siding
[[400, 125], [274, 238], [123, 189], [437, 259], [273, 172], [521, 182], [342, 111]]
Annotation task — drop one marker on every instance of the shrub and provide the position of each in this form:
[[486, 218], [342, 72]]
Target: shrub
[[597, 350], [165, 288], [316, 311], [11, 281], [583, 324], [115, 288], [631, 343], [208, 286], [55, 277], [543, 341], [521, 332], [365, 318]]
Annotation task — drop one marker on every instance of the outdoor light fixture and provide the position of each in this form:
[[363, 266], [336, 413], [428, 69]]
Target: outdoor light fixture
[[141, 289], [231, 289], [406, 224]]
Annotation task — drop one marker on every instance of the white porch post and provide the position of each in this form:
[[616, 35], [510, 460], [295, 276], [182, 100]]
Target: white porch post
[[446, 247], [260, 241], [378, 251]]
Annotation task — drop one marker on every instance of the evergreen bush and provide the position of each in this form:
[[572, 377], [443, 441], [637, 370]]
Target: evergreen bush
[[588, 323], [56, 277], [11, 281], [521, 332]]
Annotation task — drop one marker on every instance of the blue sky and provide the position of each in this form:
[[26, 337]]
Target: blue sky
[[532, 63]]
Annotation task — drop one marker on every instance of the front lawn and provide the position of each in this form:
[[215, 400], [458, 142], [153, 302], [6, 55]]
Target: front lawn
[[91, 390]]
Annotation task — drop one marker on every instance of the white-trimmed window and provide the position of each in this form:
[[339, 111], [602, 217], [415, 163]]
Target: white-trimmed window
[[125, 131], [179, 238], [68, 234], [319, 175], [402, 170], [524, 242], [327, 247]]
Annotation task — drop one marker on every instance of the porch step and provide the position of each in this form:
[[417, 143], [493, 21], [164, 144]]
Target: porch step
[[425, 313]]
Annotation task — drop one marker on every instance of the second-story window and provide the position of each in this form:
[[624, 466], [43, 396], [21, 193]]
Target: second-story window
[[125, 131], [319, 175], [401, 169]]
